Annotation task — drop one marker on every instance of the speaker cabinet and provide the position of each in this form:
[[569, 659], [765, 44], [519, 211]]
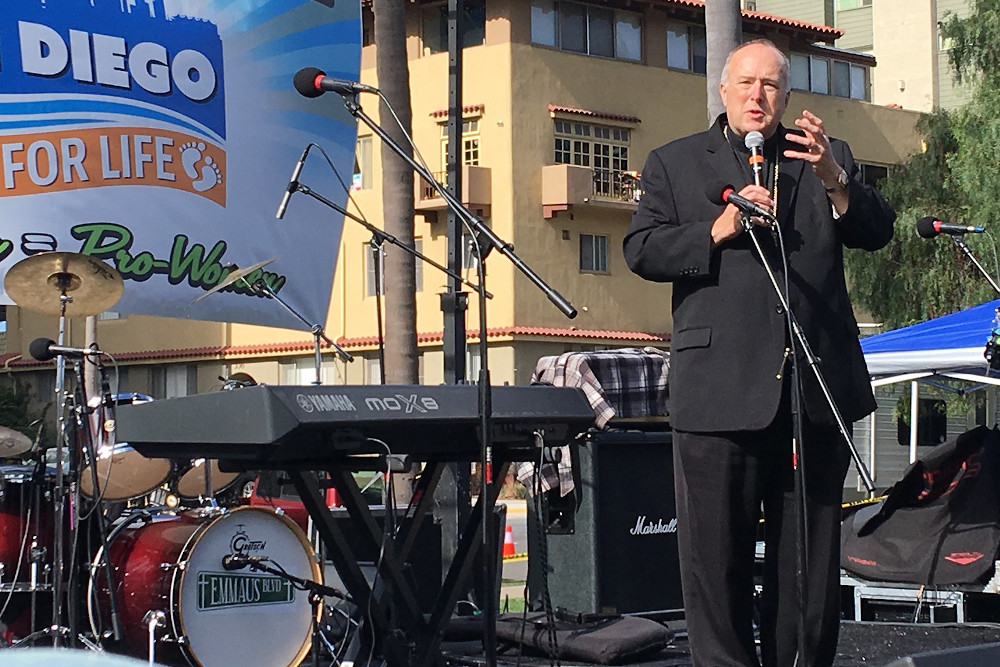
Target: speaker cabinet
[[610, 546]]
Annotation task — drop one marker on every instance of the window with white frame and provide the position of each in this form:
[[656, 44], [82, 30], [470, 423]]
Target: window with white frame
[[302, 371], [470, 142], [374, 267], [593, 253], [605, 148], [587, 29], [852, 4], [434, 26], [373, 374], [828, 76], [687, 47], [362, 164], [370, 267]]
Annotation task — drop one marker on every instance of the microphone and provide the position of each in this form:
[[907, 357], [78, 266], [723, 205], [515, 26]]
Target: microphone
[[312, 82], [929, 227], [722, 193], [44, 349], [293, 184], [755, 142], [239, 561]]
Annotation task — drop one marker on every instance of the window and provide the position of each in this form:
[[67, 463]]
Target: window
[[370, 268], [686, 47], [362, 179], [603, 147], [593, 253], [932, 424], [473, 363], [824, 76], [470, 258], [434, 29], [587, 29], [852, 4], [174, 380], [470, 142], [302, 371], [110, 315], [872, 174], [418, 245], [373, 374]]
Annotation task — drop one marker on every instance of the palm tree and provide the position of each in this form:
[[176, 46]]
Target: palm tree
[[401, 359], [723, 33]]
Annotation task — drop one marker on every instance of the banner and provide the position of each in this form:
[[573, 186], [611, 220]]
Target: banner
[[159, 136]]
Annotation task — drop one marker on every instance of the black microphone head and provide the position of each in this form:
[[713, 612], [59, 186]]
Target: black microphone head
[[715, 190], [926, 227], [39, 349], [305, 81]]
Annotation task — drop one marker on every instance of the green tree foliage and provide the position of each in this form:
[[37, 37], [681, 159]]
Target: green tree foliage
[[15, 408], [957, 178]]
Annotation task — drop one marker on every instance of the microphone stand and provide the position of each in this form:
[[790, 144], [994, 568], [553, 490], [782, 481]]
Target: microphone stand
[[959, 241], [796, 335], [378, 238], [480, 231]]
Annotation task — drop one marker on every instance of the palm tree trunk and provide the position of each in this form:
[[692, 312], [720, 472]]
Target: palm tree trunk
[[723, 33], [401, 357]]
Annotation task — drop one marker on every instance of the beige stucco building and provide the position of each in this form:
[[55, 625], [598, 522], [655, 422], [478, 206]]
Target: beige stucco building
[[557, 120], [913, 69]]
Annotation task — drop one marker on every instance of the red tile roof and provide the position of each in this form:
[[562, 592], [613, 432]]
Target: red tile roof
[[14, 359], [594, 114], [467, 109], [822, 32]]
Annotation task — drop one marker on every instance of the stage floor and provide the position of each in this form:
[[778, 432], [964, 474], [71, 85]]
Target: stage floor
[[861, 644]]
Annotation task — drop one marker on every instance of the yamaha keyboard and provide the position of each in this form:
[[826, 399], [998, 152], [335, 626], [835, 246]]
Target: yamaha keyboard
[[302, 425]]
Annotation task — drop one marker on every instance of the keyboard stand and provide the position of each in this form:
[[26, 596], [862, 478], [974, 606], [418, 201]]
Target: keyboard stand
[[403, 635]]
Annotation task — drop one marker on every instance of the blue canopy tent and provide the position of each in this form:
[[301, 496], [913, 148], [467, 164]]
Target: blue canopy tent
[[950, 345]]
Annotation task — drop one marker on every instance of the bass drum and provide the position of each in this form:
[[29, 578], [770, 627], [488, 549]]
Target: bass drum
[[214, 617]]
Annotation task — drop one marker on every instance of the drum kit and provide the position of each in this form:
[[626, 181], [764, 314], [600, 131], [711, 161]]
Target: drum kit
[[155, 554]]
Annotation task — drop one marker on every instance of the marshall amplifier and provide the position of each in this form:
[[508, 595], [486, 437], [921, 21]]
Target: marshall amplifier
[[610, 546]]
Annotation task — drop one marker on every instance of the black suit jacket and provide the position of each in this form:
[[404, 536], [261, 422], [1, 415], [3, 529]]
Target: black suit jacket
[[729, 331]]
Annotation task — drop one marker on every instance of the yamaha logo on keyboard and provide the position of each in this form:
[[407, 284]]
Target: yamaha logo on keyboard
[[325, 403]]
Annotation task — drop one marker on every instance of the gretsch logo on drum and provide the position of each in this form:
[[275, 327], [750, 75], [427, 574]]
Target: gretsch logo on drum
[[220, 590], [242, 544]]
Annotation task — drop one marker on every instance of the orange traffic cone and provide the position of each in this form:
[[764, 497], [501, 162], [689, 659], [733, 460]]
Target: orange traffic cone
[[508, 543]]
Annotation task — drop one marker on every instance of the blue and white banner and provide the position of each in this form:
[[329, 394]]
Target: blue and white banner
[[159, 136]]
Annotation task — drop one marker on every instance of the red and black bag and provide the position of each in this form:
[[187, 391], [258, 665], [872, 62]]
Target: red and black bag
[[939, 525]]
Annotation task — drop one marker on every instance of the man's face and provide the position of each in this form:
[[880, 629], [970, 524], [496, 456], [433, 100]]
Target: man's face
[[754, 92]]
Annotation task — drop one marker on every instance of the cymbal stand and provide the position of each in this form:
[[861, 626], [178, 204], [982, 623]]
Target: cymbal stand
[[261, 288], [86, 442], [64, 283]]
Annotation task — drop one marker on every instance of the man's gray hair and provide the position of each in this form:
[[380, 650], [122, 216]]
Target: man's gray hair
[[724, 79]]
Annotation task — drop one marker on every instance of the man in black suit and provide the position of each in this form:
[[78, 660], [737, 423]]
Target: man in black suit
[[729, 379]]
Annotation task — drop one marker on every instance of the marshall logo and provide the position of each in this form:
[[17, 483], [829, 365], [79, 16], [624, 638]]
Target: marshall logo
[[645, 527]]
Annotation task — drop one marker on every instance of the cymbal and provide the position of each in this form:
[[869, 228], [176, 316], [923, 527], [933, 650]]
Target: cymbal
[[37, 282], [13, 443], [233, 276]]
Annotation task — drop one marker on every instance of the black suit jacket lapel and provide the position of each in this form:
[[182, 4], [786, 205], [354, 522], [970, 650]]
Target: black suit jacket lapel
[[721, 159]]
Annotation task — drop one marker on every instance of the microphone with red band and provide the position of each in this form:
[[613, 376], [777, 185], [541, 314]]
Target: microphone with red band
[[929, 227], [312, 82], [719, 192]]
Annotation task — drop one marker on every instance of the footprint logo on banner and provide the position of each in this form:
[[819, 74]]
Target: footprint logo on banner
[[203, 171]]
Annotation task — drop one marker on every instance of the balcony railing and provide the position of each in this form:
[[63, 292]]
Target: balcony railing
[[565, 186], [476, 192], [621, 185]]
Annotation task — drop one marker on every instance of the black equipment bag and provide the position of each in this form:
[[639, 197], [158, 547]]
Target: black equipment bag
[[602, 640], [939, 525]]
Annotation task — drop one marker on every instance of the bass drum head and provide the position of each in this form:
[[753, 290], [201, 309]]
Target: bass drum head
[[245, 617]]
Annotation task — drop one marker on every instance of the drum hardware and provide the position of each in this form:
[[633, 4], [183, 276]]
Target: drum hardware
[[68, 285], [201, 601], [153, 620]]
